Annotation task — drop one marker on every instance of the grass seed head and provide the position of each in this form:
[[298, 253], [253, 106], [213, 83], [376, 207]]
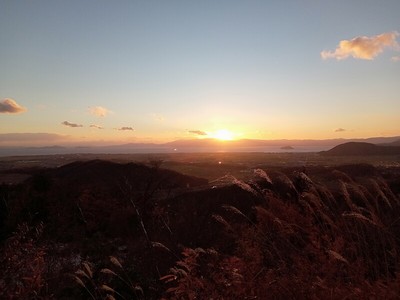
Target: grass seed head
[[107, 288], [88, 269], [108, 271], [116, 262]]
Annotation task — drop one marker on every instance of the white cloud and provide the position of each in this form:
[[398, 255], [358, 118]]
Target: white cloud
[[69, 124], [9, 106], [99, 111], [363, 47]]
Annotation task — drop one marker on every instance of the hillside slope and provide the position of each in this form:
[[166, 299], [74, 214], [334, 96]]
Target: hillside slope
[[357, 148], [92, 230]]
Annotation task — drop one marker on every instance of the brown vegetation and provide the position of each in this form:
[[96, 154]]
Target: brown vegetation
[[100, 230]]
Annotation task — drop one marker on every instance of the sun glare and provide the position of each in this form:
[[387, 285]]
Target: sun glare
[[223, 135]]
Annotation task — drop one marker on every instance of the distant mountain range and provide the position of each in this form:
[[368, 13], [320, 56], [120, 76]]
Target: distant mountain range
[[278, 143], [203, 145], [254, 143], [395, 143]]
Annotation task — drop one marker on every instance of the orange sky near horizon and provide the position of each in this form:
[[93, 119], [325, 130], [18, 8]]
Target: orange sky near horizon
[[97, 73]]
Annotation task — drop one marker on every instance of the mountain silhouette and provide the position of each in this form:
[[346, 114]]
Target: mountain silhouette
[[360, 148]]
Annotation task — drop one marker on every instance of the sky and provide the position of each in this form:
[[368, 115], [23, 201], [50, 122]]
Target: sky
[[107, 72]]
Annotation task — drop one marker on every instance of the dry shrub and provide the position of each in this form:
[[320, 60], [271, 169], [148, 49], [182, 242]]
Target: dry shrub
[[206, 274], [285, 188], [326, 244], [341, 177], [23, 264], [315, 208], [107, 283]]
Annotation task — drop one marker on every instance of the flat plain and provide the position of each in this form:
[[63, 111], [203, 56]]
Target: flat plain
[[206, 165]]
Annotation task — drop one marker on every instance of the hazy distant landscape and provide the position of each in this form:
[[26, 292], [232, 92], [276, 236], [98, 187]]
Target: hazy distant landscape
[[198, 145]]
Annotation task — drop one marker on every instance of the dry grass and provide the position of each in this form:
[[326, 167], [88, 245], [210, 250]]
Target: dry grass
[[98, 287], [296, 236], [330, 244]]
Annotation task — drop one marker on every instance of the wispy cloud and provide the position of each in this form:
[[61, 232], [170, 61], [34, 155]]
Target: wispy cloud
[[126, 128], [396, 58], [96, 126], [157, 117], [198, 132], [29, 139], [363, 47], [9, 106], [99, 111], [69, 124], [340, 130]]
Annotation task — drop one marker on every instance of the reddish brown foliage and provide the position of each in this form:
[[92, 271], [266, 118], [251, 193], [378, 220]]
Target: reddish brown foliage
[[328, 234]]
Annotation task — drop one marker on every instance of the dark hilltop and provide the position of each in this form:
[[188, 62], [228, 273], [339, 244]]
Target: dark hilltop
[[361, 148]]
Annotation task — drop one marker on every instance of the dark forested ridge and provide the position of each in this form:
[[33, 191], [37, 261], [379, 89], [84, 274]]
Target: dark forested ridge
[[97, 229], [361, 148]]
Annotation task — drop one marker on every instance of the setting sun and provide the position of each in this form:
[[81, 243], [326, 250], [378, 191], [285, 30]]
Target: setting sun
[[223, 135]]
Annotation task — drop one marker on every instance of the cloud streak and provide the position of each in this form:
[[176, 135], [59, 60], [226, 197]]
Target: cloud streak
[[99, 111], [363, 47], [396, 58], [340, 130], [198, 132], [96, 126], [31, 139], [9, 106], [13, 137], [126, 128], [69, 124], [157, 117]]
